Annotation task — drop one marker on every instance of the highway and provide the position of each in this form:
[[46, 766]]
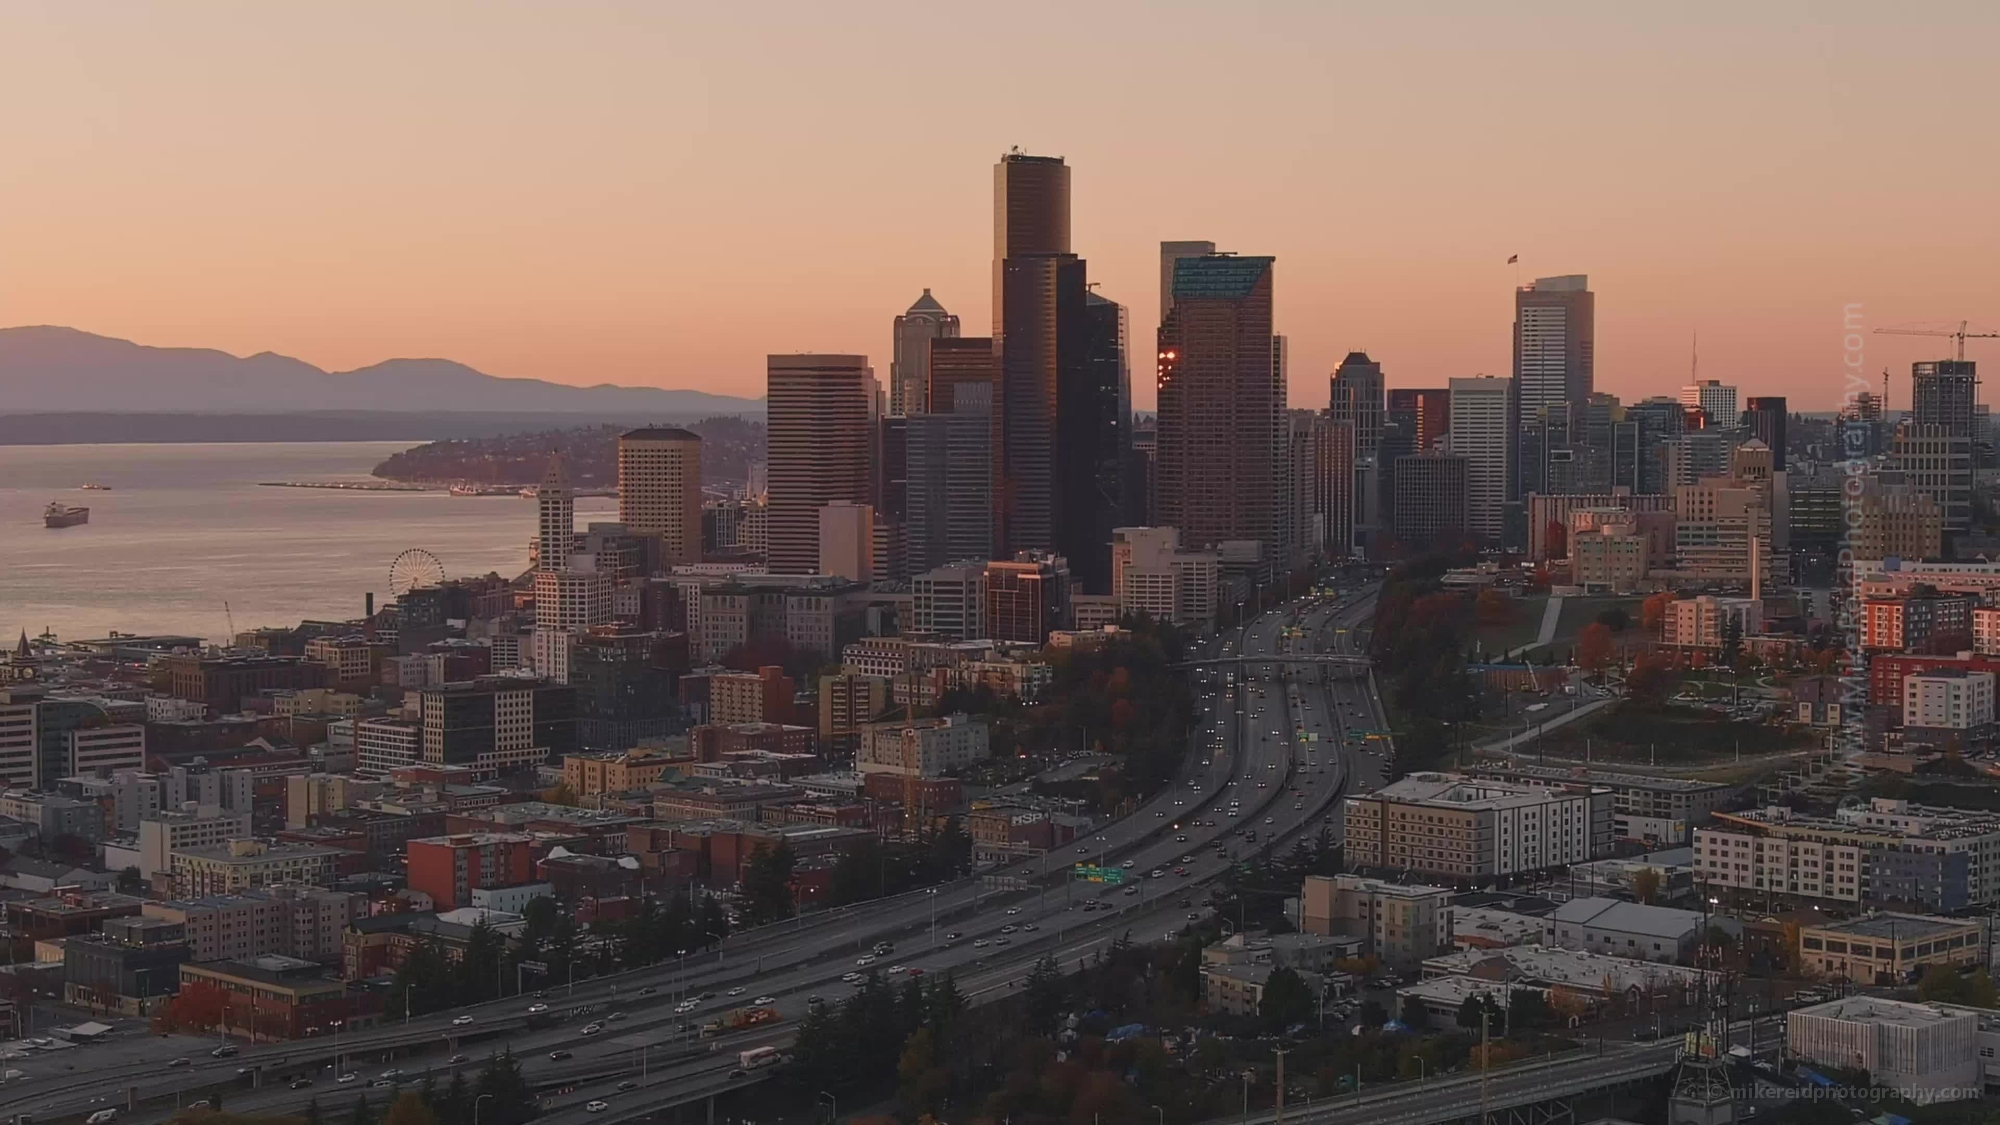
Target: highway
[[1254, 747]]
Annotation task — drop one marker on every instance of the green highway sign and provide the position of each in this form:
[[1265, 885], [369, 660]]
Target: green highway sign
[[1094, 874]]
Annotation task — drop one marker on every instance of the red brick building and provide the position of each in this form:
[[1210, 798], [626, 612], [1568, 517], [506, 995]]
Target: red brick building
[[449, 868], [1887, 670]]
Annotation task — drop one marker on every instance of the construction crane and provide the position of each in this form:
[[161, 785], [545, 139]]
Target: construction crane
[[1958, 336], [231, 618]]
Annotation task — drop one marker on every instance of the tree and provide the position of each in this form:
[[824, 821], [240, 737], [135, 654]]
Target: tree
[[312, 1111], [1044, 995], [1646, 884], [513, 1100], [1492, 607], [1593, 646], [1649, 679], [198, 1006], [1653, 611], [767, 885], [1286, 1000], [921, 1081], [1615, 619], [1414, 1014], [1526, 1009], [361, 1114], [560, 794], [1556, 536], [1372, 1014], [130, 882], [409, 1109]]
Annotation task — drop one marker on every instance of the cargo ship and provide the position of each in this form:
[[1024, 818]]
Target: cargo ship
[[59, 514]]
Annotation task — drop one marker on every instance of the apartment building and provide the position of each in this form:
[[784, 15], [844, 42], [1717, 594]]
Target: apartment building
[[924, 747], [296, 921], [171, 831], [1707, 622], [1660, 810], [1472, 829], [240, 865], [1400, 925], [1888, 853]]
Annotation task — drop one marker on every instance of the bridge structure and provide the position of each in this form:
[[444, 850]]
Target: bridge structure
[[1321, 658], [1541, 1092]]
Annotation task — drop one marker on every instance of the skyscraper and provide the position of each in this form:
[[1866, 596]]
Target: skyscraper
[[1356, 392], [1425, 412], [910, 364], [1170, 253], [659, 489], [1094, 416], [1431, 503], [1555, 339], [1555, 335], [1764, 417], [1942, 393], [555, 518], [1717, 401], [1218, 404], [1038, 302], [1480, 434], [820, 412], [950, 512]]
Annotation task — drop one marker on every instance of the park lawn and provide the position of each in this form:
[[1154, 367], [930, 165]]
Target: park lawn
[[1580, 612], [1521, 629], [1630, 732]]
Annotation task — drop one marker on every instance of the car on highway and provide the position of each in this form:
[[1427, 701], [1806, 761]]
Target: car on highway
[[596, 1106], [979, 943], [763, 1000], [738, 990], [1028, 927], [181, 1062], [1127, 865], [1007, 929], [391, 1074], [558, 1056], [648, 990], [537, 1009], [1013, 910], [898, 970], [865, 961], [224, 1051], [301, 1083], [461, 1021], [381, 1084], [1181, 839], [628, 1084], [1270, 820], [346, 1078], [1003, 941], [953, 936], [592, 1028], [456, 1060]]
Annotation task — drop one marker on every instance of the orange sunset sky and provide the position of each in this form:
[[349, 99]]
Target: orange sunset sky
[[661, 193]]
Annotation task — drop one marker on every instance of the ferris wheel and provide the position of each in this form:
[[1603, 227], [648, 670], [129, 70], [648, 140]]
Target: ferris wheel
[[414, 569]]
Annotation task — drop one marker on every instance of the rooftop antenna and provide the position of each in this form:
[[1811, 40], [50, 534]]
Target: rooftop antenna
[[1694, 357]]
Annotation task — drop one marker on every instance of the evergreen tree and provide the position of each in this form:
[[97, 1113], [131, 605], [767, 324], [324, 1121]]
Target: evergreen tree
[[361, 1114], [312, 1111], [910, 1006], [1044, 996], [409, 1108], [711, 925], [455, 1107], [1286, 1000], [767, 890], [476, 977], [513, 1101]]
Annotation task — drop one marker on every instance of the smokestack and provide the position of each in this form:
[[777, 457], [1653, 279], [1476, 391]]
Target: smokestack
[[370, 611]]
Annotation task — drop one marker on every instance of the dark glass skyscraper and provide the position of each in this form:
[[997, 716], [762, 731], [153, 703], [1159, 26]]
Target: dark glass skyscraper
[[1093, 420], [1764, 417], [1037, 284]]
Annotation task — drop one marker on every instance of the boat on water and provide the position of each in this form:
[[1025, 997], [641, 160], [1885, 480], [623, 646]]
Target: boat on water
[[59, 514], [95, 487]]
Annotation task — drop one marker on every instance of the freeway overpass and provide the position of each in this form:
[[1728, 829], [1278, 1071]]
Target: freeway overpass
[[1539, 1092]]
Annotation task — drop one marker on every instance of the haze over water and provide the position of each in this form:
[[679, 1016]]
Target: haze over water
[[186, 527]]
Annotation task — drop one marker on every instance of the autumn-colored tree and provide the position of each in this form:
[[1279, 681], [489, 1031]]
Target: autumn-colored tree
[[1653, 613], [1593, 646], [1492, 607], [197, 1007], [1646, 884], [560, 794], [1556, 536], [1650, 678], [409, 1108]]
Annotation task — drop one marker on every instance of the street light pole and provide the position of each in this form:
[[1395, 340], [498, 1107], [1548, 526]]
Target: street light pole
[[475, 1107]]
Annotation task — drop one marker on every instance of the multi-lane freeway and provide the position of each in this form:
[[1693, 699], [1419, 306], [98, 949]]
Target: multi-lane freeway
[[1271, 757]]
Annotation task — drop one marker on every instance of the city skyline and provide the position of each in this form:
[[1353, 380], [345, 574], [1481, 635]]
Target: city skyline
[[318, 219]]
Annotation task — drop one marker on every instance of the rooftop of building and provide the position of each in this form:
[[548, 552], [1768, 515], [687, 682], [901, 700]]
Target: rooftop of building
[[663, 433], [1897, 927], [1932, 822], [1875, 1009], [1500, 927], [1459, 791], [234, 853], [1628, 917], [1372, 885], [1218, 276], [1552, 965]]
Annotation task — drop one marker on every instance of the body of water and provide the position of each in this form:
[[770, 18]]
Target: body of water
[[186, 528]]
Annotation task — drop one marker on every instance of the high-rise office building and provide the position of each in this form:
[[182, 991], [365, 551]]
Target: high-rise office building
[[1424, 412], [1942, 393], [659, 489], [950, 512], [1555, 335], [821, 423], [1219, 404], [1094, 418], [555, 518], [910, 365], [1764, 417], [1171, 252], [1479, 433], [1431, 503], [1038, 330], [1716, 400], [1333, 490], [1356, 394]]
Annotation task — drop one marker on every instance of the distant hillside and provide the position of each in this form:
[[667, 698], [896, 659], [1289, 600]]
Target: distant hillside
[[590, 456], [46, 370]]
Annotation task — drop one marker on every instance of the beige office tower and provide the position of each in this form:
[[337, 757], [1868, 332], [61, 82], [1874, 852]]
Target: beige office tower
[[1171, 252], [910, 367], [820, 415], [659, 490]]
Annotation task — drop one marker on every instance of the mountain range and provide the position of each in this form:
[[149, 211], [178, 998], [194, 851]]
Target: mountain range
[[47, 369]]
